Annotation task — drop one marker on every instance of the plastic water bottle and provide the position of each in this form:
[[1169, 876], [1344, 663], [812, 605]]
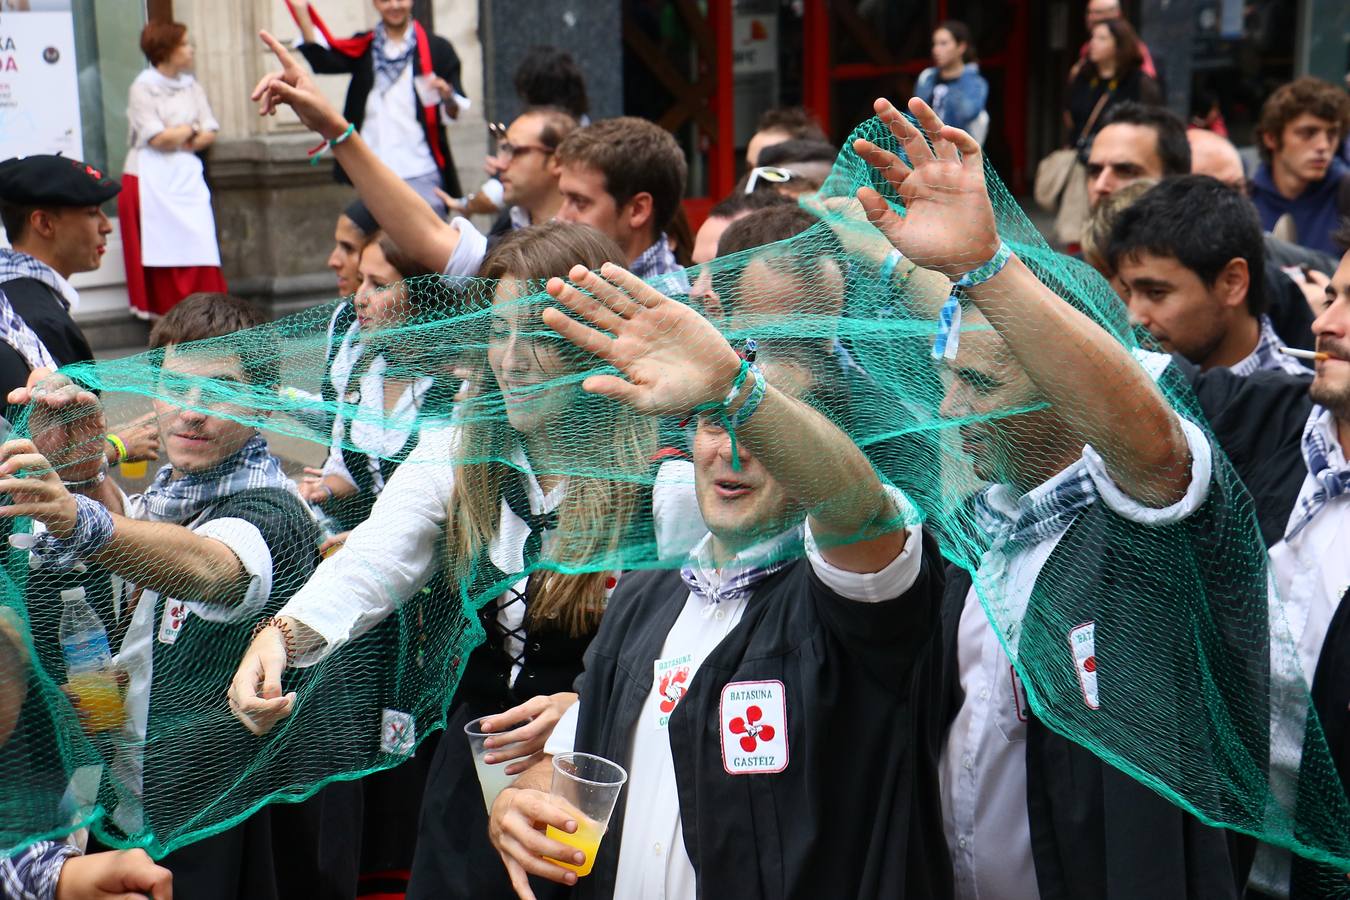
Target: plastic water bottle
[[89, 670]]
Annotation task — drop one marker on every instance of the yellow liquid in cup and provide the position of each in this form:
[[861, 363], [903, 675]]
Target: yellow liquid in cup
[[134, 469], [586, 839], [99, 697]]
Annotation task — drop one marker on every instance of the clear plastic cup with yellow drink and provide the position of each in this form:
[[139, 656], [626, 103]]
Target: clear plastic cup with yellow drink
[[590, 785]]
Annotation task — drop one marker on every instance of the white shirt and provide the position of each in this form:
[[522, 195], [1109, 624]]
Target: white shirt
[[375, 432], [983, 764], [1312, 570], [392, 554], [653, 861], [391, 125]]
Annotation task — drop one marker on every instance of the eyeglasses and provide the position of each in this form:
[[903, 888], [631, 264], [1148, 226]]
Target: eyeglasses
[[511, 151], [771, 174]]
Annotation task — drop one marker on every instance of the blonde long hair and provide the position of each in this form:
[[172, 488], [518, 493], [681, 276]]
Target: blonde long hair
[[597, 509]]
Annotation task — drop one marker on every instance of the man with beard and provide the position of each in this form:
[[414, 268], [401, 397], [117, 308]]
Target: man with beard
[[1287, 437]]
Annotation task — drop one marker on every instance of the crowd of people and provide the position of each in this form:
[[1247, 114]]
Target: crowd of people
[[891, 748]]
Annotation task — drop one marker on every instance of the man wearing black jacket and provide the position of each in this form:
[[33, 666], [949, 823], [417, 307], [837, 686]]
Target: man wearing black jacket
[[403, 81], [727, 688], [1287, 436], [50, 209], [1076, 504]]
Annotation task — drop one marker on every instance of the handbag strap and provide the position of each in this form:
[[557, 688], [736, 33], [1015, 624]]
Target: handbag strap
[[1096, 111]]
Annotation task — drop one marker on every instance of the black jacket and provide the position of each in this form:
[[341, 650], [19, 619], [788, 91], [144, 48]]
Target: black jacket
[[44, 310], [444, 62], [1097, 833], [856, 811]]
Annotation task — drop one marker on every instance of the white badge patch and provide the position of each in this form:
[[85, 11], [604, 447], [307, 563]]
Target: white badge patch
[[398, 733], [753, 716], [171, 623], [671, 678], [1083, 643]]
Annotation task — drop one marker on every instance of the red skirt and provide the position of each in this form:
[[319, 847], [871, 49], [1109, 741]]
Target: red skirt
[[154, 290]]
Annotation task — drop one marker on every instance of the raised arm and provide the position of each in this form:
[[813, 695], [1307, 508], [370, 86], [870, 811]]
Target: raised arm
[[674, 361], [300, 13], [401, 212], [1077, 366]]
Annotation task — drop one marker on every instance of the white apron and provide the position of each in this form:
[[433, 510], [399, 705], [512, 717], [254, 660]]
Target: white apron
[[177, 225]]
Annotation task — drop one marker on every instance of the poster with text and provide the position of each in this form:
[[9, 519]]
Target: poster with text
[[39, 86]]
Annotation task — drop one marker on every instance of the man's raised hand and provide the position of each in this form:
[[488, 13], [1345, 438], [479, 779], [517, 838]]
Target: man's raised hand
[[294, 87], [949, 222], [672, 358]]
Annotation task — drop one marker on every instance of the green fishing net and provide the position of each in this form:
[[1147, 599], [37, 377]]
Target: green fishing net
[[1161, 649]]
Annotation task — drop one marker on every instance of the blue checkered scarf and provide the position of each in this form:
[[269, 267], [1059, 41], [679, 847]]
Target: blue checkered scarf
[[179, 500], [1035, 520], [738, 579], [1318, 436], [388, 70]]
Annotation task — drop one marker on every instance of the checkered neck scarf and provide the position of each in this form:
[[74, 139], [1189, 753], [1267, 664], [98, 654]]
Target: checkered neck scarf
[[1319, 437], [180, 500], [15, 332], [1267, 356], [738, 579], [387, 69], [658, 259], [1035, 520], [15, 265]]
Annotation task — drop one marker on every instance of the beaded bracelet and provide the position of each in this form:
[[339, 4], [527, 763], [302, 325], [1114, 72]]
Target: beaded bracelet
[[287, 636]]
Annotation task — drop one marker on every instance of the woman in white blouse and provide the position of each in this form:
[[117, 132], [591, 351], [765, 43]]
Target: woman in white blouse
[[385, 380], [482, 501], [168, 229]]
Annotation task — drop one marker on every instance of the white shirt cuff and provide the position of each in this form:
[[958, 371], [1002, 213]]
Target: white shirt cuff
[[246, 542], [469, 252], [1130, 509], [892, 581], [564, 736]]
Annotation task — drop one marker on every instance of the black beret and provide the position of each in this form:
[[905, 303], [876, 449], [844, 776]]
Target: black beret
[[43, 180]]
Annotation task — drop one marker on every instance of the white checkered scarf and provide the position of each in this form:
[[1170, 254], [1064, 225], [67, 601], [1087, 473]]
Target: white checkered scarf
[[180, 500]]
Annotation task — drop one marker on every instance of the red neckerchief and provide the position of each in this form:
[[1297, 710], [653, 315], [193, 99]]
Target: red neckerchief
[[359, 44]]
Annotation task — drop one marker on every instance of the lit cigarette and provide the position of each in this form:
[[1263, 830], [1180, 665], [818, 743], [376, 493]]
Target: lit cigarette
[[1317, 356]]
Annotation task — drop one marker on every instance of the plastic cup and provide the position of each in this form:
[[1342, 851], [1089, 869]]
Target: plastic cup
[[99, 697], [492, 778], [589, 785], [426, 94], [134, 470]]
